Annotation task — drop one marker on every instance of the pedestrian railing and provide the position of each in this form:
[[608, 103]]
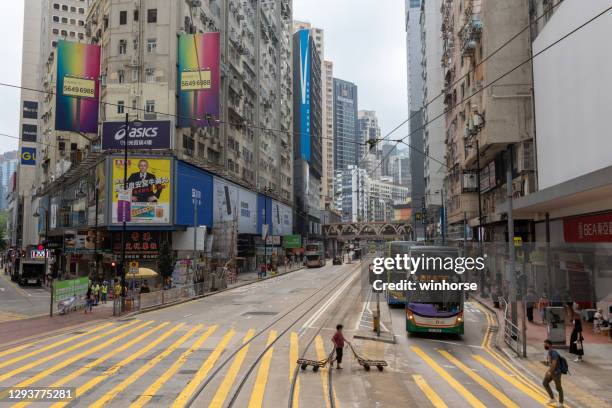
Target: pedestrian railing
[[512, 334]]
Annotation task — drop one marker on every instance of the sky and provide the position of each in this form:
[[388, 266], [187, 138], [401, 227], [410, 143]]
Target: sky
[[365, 40]]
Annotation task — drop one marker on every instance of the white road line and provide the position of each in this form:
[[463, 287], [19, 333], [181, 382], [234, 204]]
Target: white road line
[[358, 325]]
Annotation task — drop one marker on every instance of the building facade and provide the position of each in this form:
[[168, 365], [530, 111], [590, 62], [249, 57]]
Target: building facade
[[346, 132], [8, 166]]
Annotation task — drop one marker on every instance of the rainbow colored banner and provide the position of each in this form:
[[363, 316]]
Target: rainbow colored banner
[[78, 87], [198, 79]]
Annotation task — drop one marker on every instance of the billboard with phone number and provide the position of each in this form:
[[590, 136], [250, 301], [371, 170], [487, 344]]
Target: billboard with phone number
[[147, 198]]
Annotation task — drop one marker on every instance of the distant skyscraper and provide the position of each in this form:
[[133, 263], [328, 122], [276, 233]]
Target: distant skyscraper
[[8, 165], [346, 135]]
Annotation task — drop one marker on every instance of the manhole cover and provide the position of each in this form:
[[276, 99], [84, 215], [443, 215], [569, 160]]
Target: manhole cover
[[260, 313]]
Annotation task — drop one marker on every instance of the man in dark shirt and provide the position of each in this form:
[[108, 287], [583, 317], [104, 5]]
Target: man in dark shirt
[[143, 184], [553, 374], [338, 341]]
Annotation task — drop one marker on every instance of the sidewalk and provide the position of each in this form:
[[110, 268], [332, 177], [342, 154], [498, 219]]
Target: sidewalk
[[589, 382], [20, 330]]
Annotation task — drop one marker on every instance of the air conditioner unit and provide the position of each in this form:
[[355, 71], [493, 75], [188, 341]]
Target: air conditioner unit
[[525, 157]]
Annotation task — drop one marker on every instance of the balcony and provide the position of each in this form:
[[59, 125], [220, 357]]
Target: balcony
[[471, 35]]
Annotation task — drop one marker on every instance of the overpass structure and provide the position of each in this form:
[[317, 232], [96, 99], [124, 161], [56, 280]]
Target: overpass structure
[[348, 231]]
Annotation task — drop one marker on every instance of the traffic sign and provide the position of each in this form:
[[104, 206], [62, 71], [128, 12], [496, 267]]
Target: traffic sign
[[518, 241], [134, 267]]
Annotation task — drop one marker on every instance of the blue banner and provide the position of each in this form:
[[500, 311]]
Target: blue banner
[[264, 213], [192, 181], [304, 77], [28, 156]]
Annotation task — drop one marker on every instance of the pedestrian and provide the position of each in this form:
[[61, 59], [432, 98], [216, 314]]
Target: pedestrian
[[88, 299], [338, 341], [556, 366], [104, 291], [576, 340], [145, 287], [262, 270], [117, 291], [96, 292], [530, 302], [542, 305]]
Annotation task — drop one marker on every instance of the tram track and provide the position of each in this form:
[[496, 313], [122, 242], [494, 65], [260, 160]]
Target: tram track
[[335, 284]]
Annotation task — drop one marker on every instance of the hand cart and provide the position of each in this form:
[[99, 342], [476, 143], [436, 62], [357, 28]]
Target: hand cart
[[367, 363]]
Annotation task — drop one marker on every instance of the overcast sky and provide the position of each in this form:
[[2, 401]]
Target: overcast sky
[[365, 39]]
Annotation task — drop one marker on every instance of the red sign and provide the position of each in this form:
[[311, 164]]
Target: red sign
[[590, 228]]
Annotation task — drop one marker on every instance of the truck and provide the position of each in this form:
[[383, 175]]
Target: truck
[[30, 269]]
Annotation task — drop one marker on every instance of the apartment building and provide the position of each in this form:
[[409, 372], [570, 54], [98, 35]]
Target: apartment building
[[327, 68], [347, 150], [484, 127]]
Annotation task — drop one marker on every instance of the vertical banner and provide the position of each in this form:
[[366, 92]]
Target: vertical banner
[[147, 197], [225, 201], [305, 69], [198, 79], [78, 86]]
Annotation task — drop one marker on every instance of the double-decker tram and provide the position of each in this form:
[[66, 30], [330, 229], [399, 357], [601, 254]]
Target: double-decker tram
[[429, 309], [315, 254]]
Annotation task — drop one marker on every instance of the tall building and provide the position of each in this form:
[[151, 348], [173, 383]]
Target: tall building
[[346, 131], [388, 151], [488, 122], [415, 109], [8, 166], [400, 169], [434, 133], [369, 130], [308, 130], [234, 146], [327, 67]]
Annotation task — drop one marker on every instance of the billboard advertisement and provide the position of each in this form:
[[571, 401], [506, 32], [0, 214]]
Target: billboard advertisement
[[198, 79], [29, 133], [148, 195], [247, 212], [304, 92], [28, 156], [225, 201], [189, 179], [264, 213], [282, 219], [30, 110], [146, 134], [78, 87]]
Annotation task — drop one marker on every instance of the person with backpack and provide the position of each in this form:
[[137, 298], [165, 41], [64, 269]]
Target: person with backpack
[[557, 366]]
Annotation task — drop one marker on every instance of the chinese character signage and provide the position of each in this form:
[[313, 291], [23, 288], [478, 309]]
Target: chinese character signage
[[78, 84], [589, 228], [198, 79], [147, 198], [151, 134], [138, 244]]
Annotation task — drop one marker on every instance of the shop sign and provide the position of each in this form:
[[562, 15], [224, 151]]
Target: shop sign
[[590, 228], [292, 241], [273, 240], [138, 244]]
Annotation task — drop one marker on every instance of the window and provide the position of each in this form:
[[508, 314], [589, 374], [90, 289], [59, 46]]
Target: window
[[64, 20], [72, 34], [65, 7], [122, 47], [73, 9], [150, 75], [152, 16], [53, 44], [135, 75], [122, 17], [56, 6], [150, 106], [120, 107], [64, 33], [81, 10], [135, 15], [121, 76], [55, 19], [81, 23], [151, 45], [73, 21], [55, 31]]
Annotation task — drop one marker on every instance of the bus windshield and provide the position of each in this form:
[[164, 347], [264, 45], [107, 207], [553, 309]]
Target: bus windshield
[[312, 247]]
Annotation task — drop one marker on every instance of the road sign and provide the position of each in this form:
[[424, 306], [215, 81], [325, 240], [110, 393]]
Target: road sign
[[518, 241], [134, 267], [418, 216]]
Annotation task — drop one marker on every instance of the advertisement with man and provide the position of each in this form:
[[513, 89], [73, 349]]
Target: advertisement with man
[[147, 198], [225, 201]]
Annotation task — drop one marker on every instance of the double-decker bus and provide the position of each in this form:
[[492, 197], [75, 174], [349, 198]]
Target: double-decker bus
[[315, 254], [434, 311], [397, 297]]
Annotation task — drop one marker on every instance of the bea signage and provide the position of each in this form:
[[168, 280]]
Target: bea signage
[[146, 134]]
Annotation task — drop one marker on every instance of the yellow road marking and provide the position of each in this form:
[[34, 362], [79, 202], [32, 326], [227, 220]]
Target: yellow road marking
[[53, 345], [501, 397], [516, 383], [115, 368], [259, 388], [14, 350], [433, 397], [82, 355], [10, 316], [61, 353], [230, 377], [319, 347], [173, 369], [293, 357], [468, 396], [149, 365], [197, 379]]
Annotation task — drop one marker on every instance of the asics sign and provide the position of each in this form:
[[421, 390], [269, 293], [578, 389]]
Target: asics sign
[[152, 134]]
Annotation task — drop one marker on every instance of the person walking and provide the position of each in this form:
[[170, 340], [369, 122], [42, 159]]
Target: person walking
[[96, 292], [88, 299], [554, 361], [542, 305], [530, 303], [262, 270], [338, 340], [104, 291], [576, 347]]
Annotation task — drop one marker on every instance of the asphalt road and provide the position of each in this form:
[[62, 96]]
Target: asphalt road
[[193, 352], [19, 302]]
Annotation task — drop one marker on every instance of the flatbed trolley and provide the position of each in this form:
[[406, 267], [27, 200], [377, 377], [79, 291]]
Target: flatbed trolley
[[367, 363]]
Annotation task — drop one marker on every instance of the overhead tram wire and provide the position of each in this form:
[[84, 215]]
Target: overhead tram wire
[[492, 83], [471, 70]]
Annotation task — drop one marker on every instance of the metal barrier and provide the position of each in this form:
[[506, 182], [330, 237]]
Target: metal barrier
[[512, 333]]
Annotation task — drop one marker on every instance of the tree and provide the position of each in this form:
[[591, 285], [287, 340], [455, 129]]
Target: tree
[[165, 261]]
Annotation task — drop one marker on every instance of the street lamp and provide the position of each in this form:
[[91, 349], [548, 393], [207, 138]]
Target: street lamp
[[37, 215], [267, 191]]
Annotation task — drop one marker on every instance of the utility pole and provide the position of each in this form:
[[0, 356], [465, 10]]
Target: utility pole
[[196, 196], [512, 278], [480, 233], [127, 206]]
